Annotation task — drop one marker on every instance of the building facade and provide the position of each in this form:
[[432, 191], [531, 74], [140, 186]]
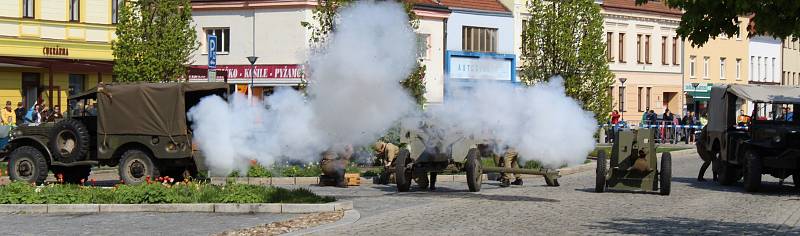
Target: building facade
[[50, 49], [271, 30], [479, 43], [722, 60], [644, 51], [791, 62], [765, 60]]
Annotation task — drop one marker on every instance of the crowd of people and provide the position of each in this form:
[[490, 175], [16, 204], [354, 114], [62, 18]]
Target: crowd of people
[[671, 128], [38, 113]]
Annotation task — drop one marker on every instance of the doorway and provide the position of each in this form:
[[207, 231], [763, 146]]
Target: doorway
[[30, 89]]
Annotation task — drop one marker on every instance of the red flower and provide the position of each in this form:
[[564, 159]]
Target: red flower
[[147, 179]]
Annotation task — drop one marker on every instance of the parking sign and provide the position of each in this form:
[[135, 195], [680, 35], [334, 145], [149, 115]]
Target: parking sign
[[212, 51]]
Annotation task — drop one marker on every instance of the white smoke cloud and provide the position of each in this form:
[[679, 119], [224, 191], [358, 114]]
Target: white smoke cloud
[[541, 122], [354, 97]]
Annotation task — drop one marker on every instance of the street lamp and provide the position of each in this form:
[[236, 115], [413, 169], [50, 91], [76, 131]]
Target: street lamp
[[252, 60], [622, 98]]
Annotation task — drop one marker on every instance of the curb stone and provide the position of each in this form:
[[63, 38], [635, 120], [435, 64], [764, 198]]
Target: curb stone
[[199, 207]]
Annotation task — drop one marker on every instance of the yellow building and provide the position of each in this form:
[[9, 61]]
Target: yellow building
[[722, 60], [50, 49]]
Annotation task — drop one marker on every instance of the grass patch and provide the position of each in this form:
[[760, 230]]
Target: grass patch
[[191, 192], [658, 150]]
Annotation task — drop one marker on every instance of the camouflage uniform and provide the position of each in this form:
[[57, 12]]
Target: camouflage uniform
[[510, 159]]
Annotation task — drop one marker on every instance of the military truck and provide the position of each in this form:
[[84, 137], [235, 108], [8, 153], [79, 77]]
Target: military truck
[[140, 128], [429, 150], [765, 142]]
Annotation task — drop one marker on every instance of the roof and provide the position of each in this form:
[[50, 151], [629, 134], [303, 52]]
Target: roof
[[766, 93], [483, 5], [657, 7]]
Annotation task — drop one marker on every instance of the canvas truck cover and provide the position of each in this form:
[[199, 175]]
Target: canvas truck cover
[[146, 108], [766, 93], [717, 109]]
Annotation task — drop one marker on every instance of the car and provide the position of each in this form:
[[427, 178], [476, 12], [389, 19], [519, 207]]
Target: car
[[765, 142], [140, 128]]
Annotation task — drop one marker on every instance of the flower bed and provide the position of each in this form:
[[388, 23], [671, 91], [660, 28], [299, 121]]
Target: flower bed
[[184, 192]]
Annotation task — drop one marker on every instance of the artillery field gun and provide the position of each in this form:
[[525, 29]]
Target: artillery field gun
[[431, 151], [633, 165]]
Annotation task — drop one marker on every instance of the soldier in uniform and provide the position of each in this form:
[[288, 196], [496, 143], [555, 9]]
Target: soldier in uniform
[[386, 152], [333, 164], [510, 160]]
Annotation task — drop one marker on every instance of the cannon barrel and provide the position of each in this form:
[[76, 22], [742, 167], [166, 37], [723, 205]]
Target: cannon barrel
[[520, 171]]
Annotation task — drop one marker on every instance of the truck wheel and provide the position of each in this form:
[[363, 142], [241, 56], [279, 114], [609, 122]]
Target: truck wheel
[[27, 164], [600, 172], [136, 166], [69, 140], [474, 170], [796, 180], [752, 172], [665, 175], [73, 174], [401, 175]]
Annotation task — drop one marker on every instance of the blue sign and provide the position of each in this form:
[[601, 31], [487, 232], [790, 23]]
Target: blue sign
[[212, 51]]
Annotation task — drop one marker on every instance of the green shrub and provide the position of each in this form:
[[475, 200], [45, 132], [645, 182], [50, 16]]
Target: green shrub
[[192, 192], [373, 172], [258, 171]]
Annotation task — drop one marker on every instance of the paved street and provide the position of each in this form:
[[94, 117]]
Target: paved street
[[573, 208]]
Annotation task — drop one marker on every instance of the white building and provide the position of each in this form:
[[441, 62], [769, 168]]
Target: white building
[[480, 43], [765, 60], [271, 30]]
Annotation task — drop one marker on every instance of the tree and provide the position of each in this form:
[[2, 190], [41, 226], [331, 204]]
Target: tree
[[155, 40], [566, 38], [704, 19], [324, 23]]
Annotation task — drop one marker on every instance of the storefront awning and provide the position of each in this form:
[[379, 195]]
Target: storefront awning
[[699, 93], [62, 65]]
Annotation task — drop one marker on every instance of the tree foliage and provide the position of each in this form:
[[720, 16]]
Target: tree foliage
[[324, 22], [566, 38], [155, 40], [706, 19]]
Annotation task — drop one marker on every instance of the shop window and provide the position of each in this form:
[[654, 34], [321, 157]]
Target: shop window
[[621, 48], [479, 39], [223, 38], [74, 10], [423, 45], [27, 8], [115, 5], [77, 83]]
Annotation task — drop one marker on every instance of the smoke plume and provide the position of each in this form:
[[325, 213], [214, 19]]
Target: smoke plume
[[354, 96]]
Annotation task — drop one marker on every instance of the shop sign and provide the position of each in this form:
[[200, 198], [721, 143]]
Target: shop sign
[[480, 68], [55, 51], [704, 87], [260, 72]]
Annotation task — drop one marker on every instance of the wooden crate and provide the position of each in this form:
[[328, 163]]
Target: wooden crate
[[352, 179]]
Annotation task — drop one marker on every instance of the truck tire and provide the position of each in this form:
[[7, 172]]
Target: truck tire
[[600, 172], [136, 166], [474, 170], [73, 174], [796, 180], [27, 164], [401, 175], [752, 171], [69, 141], [665, 174]]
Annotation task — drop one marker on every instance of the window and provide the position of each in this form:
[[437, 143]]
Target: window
[[524, 37], [752, 69], [675, 50], [621, 48], [739, 33], [738, 68], [477, 39], [773, 69], [608, 46], [75, 10], [705, 67], [223, 38], [647, 49], [115, 4], [692, 71], [639, 102], [721, 68], [647, 105], [423, 45], [77, 83], [664, 50], [759, 77], [27, 8], [639, 48]]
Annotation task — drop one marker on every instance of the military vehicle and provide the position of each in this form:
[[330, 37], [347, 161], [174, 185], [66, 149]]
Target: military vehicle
[[766, 142], [140, 128], [633, 164], [430, 151]]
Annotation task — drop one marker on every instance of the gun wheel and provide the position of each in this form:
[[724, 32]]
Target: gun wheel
[[474, 171], [402, 175], [600, 172]]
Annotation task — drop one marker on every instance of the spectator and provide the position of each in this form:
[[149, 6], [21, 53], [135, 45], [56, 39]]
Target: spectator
[[34, 115], [644, 116], [652, 118], [55, 115], [688, 121], [7, 114], [704, 120], [615, 117], [20, 113]]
